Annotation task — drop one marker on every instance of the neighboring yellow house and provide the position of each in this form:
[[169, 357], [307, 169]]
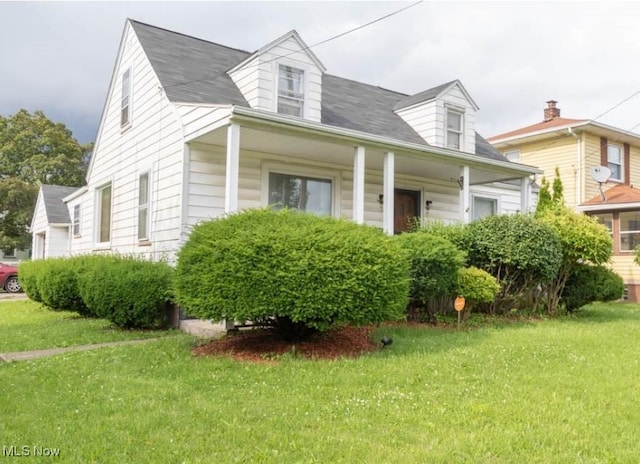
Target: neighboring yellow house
[[576, 147]]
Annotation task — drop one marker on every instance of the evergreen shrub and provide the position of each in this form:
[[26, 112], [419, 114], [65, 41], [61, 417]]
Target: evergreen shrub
[[291, 270]]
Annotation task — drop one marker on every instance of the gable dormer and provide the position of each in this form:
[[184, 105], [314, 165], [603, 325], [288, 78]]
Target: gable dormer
[[444, 116], [284, 76]]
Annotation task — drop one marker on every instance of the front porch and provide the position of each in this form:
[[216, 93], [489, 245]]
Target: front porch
[[259, 159]]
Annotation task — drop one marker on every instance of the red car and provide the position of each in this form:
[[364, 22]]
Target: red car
[[9, 278]]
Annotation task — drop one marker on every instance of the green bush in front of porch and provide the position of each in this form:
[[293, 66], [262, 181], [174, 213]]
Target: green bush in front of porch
[[292, 271]]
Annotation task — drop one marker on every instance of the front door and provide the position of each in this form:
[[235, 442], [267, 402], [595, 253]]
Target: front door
[[405, 209]]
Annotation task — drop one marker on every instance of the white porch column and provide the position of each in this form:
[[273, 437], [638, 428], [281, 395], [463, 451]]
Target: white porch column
[[465, 210], [231, 185], [233, 167], [525, 195], [358, 185], [388, 191]]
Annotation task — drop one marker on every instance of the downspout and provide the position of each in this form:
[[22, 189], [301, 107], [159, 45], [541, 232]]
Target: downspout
[[579, 165]]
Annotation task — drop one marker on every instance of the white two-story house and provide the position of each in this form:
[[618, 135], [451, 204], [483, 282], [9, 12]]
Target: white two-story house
[[192, 130]]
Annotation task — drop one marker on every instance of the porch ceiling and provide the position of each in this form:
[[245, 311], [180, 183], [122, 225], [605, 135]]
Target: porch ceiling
[[318, 148]]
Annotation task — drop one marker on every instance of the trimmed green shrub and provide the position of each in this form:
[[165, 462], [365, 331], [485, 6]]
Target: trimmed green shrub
[[457, 233], [294, 271], [434, 265], [28, 276], [58, 284], [521, 252], [129, 292], [476, 286], [590, 283], [582, 240]]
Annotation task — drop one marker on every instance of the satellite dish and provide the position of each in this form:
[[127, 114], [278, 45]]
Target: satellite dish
[[600, 174]]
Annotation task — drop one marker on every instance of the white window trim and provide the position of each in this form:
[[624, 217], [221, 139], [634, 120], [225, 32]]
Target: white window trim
[[127, 125], [305, 83], [461, 112], [485, 196], [304, 171], [147, 206], [77, 219], [621, 164], [624, 232], [98, 214]]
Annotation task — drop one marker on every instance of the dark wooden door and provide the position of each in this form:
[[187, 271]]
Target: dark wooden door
[[405, 208]]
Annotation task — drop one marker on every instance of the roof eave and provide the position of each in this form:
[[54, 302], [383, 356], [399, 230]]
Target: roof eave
[[605, 207], [523, 137], [239, 112]]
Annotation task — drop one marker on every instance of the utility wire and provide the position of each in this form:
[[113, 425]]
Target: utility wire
[[305, 48]]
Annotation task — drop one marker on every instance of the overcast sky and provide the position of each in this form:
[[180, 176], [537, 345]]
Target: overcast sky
[[511, 56]]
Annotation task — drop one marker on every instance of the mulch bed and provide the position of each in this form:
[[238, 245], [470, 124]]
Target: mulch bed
[[262, 345]]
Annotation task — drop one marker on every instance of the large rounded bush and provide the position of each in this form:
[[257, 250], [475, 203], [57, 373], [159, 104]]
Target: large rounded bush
[[590, 283], [129, 292], [294, 270]]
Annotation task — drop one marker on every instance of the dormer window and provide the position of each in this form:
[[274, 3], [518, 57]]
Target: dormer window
[[454, 129], [290, 90]]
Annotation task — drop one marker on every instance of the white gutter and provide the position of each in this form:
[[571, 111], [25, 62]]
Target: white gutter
[[609, 207], [386, 143]]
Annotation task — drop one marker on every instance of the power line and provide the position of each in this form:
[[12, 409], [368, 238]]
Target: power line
[[305, 48]]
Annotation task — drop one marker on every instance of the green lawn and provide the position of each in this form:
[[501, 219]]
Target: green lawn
[[554, 391], [25, 325]]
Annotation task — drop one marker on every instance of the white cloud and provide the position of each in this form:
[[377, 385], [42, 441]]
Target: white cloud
[[511, 56]]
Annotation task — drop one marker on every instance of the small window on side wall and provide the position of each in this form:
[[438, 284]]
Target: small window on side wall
[[76, 220], [143, 207], [103, 212], [512, 155], [125, 104]]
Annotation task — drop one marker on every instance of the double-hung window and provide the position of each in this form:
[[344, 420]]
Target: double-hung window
[[104, 214], [290, 91], [454, 129], [143, 207], [629, 230], [125, 104], [299, 192], [614, 161]]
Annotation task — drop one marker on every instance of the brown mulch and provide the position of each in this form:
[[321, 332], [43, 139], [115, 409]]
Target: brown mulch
[[262, 345]]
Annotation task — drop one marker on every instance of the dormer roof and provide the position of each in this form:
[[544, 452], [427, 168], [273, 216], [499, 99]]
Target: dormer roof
[[292, 34], [432, 94]]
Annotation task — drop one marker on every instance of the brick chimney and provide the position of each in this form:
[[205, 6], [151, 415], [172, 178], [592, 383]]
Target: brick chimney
[[551, 112]]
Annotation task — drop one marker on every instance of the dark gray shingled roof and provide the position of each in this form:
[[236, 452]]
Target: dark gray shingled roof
[[487, 150], [56, 210], [192, 70], [425, 95]]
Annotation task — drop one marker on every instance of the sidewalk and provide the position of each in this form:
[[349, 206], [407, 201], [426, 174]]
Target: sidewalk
[[12, 296], [25, 355]]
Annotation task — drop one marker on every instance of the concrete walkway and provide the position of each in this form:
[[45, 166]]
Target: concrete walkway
[[25, 355]]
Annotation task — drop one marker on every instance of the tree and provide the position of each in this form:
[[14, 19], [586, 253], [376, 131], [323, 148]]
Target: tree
[[550, 196], [33, 151]]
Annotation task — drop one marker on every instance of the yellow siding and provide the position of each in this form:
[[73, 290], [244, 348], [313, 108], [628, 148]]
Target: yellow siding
[[623, 265], [555, 152], [592, 158], [635, 166]]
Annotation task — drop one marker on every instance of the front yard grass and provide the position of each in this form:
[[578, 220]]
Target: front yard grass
[[26, 325], [552, 391]]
